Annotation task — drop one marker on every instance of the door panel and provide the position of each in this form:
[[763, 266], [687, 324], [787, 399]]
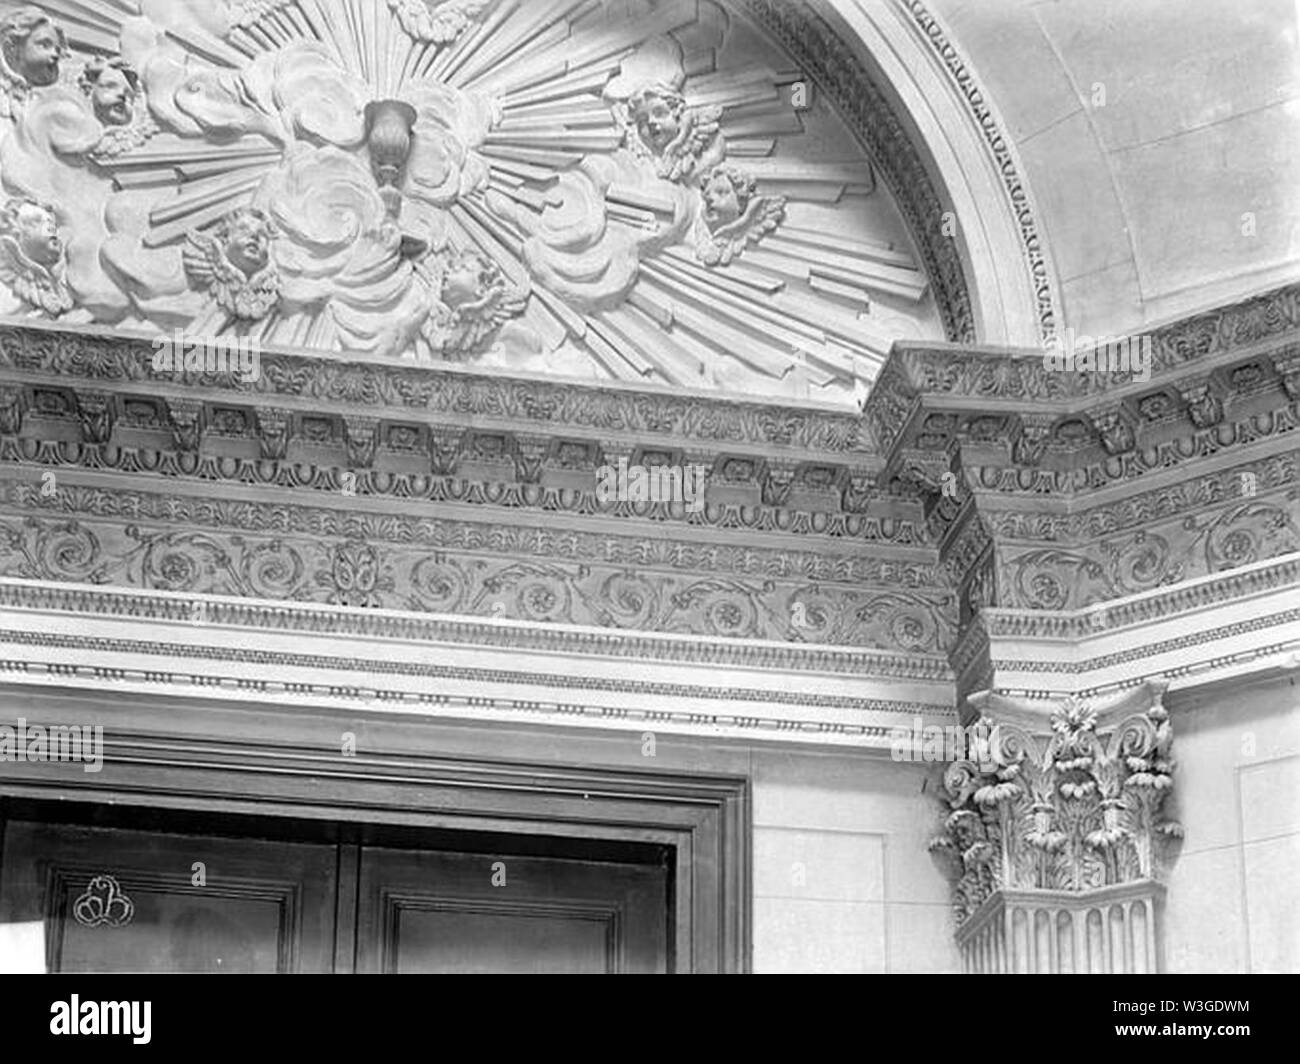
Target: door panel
[[121, 900], [463, 913], [125, 901]]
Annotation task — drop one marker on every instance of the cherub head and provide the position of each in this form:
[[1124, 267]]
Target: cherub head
[[113, 86], [34, 228], [476, 298], [727, 193], [658, 111], [32, 255], [32, 44], [471, 280], [245, 237]]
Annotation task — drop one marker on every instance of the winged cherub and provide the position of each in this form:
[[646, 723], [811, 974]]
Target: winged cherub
[[32, 255], [680, 140], [437, 23], [113, 88], [235, 262], [733, 215], [475, 299], [31, 47]]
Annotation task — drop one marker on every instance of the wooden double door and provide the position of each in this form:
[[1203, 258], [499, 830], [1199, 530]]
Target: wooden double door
[[178, 896]]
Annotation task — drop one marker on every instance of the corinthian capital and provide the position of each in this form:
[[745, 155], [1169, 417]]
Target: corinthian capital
[[1065, 797]]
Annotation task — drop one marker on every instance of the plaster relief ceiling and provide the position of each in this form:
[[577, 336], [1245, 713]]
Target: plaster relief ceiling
[[611, 190]]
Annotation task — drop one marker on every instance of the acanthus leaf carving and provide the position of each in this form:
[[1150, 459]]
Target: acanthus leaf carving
[[1035, 432], [1070, 804], [1115, 430], [11, 410], [273, 427], [1204, 406], [362, 437], [535, 575], [95, 410], [1287, 363]]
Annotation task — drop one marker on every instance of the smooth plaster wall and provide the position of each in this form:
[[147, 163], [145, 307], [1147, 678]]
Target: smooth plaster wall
[[1141, 188], [842, 878], [1234, 891]]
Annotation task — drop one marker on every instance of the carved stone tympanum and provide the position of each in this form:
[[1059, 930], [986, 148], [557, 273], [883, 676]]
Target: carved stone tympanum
[[554, 188]]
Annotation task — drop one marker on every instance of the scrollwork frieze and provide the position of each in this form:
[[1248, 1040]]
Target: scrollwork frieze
[[352, 571], [1204, 544], [1228, 586], [832, 563]]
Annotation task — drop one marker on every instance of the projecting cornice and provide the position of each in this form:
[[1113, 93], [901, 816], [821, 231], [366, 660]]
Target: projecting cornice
[[396, 442], [455, 396], [1019, 399], [1068, 504], [456, 507]]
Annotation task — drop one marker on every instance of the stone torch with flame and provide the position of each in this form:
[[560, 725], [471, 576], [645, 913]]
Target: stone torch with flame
[[390, 126]]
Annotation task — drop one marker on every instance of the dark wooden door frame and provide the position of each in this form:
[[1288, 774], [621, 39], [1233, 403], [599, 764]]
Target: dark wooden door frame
[[705, 819]]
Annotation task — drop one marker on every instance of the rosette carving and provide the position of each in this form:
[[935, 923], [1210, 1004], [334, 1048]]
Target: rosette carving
[[273, 570], [718, 608], [439, 584], [1247, 534], [538, 593], [628, 601], [182, 561], [67, 551]]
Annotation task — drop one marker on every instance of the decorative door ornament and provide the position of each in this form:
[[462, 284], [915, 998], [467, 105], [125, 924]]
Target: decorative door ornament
[[103, 904]]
